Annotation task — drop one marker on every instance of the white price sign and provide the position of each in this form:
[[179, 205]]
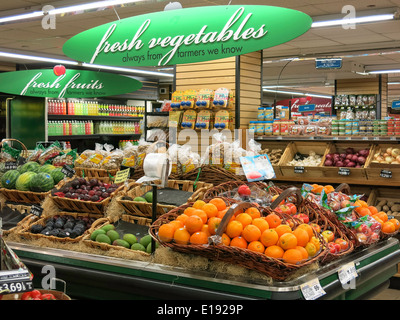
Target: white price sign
[[312, 290], [347, 273]]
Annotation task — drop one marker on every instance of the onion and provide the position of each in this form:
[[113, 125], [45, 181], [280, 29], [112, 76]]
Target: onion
[[395, 162], [349, 156], [346, 161], [328, 163], [389, 151], [350, 150], [395, 152], [343, 156], [380, 158], [361, 160], [398, 158], [329, 156], [339, 164], [351, 164], [386, 155], [358, 166], [354, 158], [364, 152], [376, 155], [389, 159]]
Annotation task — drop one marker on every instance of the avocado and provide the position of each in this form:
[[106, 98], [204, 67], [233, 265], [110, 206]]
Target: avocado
[[139, 199], [113, 235], [138, 246], [121, 243], [103, 238], [149, 196], [130, 238], [95, 233], [145, 240], [108, 227], [148, 249]]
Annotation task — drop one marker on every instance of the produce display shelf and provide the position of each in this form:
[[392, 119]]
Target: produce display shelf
[[91, 276], [93, 136], [161, 113], [328, 138], [341, 179], [87, 117]]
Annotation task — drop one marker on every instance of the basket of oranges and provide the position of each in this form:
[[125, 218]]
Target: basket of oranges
[[242, 233]]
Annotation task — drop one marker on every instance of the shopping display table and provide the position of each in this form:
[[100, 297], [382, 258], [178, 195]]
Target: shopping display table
[[90, 276]]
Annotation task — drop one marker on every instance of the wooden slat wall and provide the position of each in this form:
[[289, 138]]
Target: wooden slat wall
[[385, 95], [250, 87]]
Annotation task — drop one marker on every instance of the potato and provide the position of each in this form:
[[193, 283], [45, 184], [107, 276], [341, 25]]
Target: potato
[[382, 203], [390, 203], [379, 208], [385, 208], [395, 207]]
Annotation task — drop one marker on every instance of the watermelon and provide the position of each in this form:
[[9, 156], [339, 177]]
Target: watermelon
[[57, 175], [24, 180], [30, 166], [9, 179], [47, 168], [42, 182]]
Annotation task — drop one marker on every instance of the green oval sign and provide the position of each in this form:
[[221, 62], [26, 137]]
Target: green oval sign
[[71, 84], [187, 35]]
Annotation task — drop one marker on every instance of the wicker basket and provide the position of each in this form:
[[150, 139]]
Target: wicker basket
[[24, 150], [100, 174], [275, 268], [23, 224], [57, 294], [144, 209], [18, 196], [25, 233], [105, 246], [212, 174], [75, 205]]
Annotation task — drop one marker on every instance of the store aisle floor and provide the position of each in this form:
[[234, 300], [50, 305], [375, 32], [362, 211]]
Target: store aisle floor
[[388, 294]]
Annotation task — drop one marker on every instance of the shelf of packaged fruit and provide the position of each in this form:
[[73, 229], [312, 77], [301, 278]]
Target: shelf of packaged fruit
[[328, 138], [93, 136], [161, 113], [87, 117], [345, 179]]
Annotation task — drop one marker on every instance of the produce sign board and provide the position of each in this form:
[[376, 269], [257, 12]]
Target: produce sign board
[[71, 84], [187, 35]]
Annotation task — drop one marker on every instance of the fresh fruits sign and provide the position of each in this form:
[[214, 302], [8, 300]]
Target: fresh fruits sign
[[61, 83], [187, 35]]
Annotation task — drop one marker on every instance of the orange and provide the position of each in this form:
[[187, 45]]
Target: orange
[[361, 203], [193, 224], [225, 239], [234, 229], [276, 196], [383, 216], [202, 215], [274, 252], [373, 210], [251, 233], [238, 212], [282, 229], [318, 189], [238, 242], [292, 256], [388, 227], [311, 249], [205, 229], [221, 213], [181, 236], [210, 209], [329, 189], [182, 217], [261, 224], [273, 220], [269, 237], [177, 224], [302, 237], [213, 224], [303, 252], [198, 204], [256, 246], [308, 228], [188, 211], [287, 241], [219, 203], [166, 232], [199, 237], [253, 212], [395, 222], [244, 218], [378, 219], [363, 211]]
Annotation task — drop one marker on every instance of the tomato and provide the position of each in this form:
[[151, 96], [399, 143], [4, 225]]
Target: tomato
[[31, 295], [48, 296]]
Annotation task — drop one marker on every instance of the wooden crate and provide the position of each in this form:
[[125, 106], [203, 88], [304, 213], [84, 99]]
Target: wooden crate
[[352, 173], [380, 172], [384, 193], [303, 147]]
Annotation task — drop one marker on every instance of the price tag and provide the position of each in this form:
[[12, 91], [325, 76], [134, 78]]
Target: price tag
[[10, 165], [386, 174], [122, 176], [393, 138], [347, 273], [298, 169], [7, 286], [376, 138], [36, 210], [21, 161], [68, 171], [365, 138], [344, 172], [312, 290]]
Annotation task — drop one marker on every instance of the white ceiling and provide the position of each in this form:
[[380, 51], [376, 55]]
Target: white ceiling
[[374, 38]]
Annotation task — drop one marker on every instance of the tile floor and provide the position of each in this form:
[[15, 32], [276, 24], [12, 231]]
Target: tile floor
[[388, 294]]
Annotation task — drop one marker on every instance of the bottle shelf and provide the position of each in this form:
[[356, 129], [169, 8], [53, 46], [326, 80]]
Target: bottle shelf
[[94, 136], [94, 118]]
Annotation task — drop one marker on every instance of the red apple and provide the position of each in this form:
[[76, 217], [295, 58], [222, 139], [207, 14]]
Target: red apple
[[344, 245], [374, 237], [303, 217], [333, 247], [316, 227], [244, 190], [362, 237], [59, 70], [292, 207], [328, 235], [364, 229]]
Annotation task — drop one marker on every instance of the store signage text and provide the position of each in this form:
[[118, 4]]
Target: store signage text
[[187, 35], [74, 83]]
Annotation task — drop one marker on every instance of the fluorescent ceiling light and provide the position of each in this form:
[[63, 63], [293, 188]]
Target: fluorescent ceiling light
[[298, 93], [37, 58], [318, 95], [384, 71], [393, 83], [347, 21], [127, 70], [79, 7]]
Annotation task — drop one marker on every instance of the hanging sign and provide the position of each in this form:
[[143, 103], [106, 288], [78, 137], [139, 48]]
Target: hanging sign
[[335, 63], [396, 104], [70, 84], [187, 35]]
